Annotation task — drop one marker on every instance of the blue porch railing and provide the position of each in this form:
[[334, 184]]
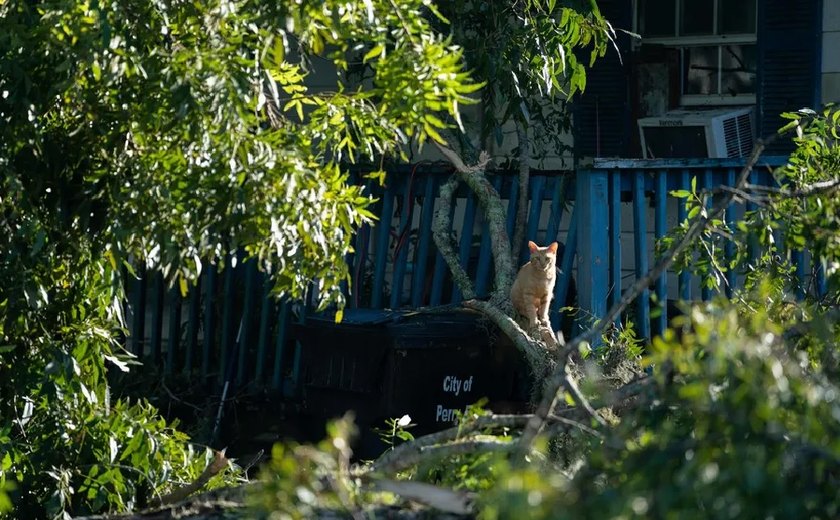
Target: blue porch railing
[[627, 202], [608, 217]]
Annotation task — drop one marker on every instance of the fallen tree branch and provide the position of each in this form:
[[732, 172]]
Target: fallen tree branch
[[559, 377], [440, 233], [461, 432], [537, 357], [442, 499], [219, 463], [494, 213], [579, 398], [453, 157], [816, 188], [449, 435], [564, 423], [217, 503], [415, 453]]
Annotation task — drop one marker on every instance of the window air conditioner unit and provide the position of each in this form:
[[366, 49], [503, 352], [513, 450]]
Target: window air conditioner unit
[[698, 133]]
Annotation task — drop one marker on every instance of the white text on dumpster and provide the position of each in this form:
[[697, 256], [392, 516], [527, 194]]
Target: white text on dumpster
[[452, 385]]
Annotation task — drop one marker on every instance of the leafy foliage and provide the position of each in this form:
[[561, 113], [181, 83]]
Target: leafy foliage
[[534, 56], [304, 480], [173, 134], [800, 211]]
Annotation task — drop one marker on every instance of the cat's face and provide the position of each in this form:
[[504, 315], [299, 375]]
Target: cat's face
[[543, 257]]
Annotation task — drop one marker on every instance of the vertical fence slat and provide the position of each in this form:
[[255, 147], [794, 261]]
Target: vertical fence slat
[[797, 257], [819, 271], [465, 246], [592, 208], [537, 189], [227, 320], [439, 276], [294, 384], [641, 250], [708, 183], [174, 330], [660, 222], [558, 200], [193, 316], [362, 242], [402, 245], [382, 242], [561, 288], [296, 360], [729, 247], [209, 319], [682, 214], [513, 202], [427, 212], [752, 240], [280, 345], [265, 327], [615, 240], [157, 318], [138, 329], [247, 311], [482, 275]]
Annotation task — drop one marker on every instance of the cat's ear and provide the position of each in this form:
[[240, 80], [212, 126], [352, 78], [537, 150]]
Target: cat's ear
[[533, 247], [553, 247]]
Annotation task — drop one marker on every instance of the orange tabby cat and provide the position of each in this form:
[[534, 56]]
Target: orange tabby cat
[[534, 285]]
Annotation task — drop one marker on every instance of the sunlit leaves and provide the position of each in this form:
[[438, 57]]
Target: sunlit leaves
[[175, 135]]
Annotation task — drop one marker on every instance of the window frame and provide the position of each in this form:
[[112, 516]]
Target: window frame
[[682, 42]]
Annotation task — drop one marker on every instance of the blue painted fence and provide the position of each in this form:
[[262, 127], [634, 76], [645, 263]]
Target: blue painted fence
[[623, 197], [229, 328]]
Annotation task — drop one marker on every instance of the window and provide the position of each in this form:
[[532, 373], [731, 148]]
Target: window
[[716, 43]]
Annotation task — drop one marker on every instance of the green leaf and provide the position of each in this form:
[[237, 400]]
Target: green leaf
[[434, 121], [373, 53], [693, 212], [431, 132]]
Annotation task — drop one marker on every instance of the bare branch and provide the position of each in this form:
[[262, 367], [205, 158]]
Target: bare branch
[[461, 431], [576, 394], [415, 453], [453, 157], [564, 423], [743, 195], [442, 499], [817, 188], [443, 241], [494, 213], [218, 463]]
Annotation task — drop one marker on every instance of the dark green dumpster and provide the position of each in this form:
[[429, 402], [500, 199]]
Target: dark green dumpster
[[382, 364]]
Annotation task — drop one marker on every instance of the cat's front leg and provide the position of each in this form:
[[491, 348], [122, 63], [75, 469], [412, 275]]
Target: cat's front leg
[[543, 310], [531, 314]]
